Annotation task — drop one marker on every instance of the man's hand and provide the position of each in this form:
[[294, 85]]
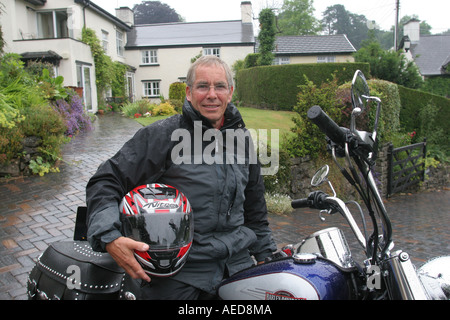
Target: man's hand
[[122, 251]]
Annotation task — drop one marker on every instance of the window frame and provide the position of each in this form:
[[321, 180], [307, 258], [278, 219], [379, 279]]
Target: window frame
[[59, 28], [105, 40], [149, 57], [120, 43], [212, 51], [326, 59], [151, 88]]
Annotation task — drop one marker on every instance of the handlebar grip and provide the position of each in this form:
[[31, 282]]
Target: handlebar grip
[[300, 203], [327, 125]]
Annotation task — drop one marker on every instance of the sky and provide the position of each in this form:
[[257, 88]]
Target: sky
[[434, 12]]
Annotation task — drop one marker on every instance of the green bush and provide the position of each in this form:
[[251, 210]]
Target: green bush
[[308, 139], [276, 87], [177, 91], [141, 107], [145, 108], [279, 204], [389, 122], [251, 60], [164, 109]]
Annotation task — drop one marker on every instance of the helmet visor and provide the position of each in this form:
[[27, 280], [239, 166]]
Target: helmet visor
[[161, 231]]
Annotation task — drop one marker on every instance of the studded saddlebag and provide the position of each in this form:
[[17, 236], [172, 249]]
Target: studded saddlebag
[[71, 270]]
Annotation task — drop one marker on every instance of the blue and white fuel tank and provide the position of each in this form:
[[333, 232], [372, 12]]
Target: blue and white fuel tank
[[321, 269]]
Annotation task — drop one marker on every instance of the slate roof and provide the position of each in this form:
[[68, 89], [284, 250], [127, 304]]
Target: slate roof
[[191, 34], [307, 45], [431, 54]]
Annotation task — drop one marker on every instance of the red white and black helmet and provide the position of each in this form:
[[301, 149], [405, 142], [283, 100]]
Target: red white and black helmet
[[160, 216]]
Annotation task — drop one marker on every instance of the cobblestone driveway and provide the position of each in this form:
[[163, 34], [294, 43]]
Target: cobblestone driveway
[[36, 211]]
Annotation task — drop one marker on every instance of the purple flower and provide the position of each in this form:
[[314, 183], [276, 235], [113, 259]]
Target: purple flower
[[73, 114]]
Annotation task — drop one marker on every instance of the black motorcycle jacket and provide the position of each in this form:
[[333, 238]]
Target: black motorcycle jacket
[[218, 173]]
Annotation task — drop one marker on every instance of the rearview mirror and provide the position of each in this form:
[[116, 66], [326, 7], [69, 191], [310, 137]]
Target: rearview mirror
[[360, 91], [320, 176]]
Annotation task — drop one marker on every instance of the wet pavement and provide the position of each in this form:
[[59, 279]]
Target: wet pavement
[[36, 211]]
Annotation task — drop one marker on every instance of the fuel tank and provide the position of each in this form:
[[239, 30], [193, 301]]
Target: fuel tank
[[303, 276]]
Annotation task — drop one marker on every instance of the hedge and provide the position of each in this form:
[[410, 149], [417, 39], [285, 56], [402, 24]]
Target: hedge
[[276, 87], [413, 116]]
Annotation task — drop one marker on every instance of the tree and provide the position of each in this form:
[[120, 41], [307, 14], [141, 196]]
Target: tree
[[266, 37], [297, 18], [153, 12], [389, 65], [337, 20]]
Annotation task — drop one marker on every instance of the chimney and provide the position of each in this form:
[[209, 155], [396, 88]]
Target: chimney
[[412, 30], [126, 15], [246, 12]]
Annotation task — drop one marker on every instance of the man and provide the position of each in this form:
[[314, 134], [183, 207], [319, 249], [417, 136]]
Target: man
[[227, 197]]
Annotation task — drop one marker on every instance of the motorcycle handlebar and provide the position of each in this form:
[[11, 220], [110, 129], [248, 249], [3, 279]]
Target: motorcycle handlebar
[[300, 203], [327, 125]]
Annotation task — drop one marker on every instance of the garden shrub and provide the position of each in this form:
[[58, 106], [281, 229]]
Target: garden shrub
[[164, 109], [39, 106], [308, 139], [140, 107], [144, 107], [177, 91], [389, 122], [10, 143]]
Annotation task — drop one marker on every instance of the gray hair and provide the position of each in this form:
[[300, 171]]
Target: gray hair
[[209, 60]]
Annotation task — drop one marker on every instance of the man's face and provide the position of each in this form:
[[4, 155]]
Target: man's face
[[210, 94]]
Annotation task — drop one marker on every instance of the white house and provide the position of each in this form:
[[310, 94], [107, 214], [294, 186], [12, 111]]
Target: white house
[[163, 53], [431, 53], [157, 55], [51, 31]]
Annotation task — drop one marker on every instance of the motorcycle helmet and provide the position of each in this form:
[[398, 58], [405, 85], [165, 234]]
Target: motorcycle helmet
[[160, 216]]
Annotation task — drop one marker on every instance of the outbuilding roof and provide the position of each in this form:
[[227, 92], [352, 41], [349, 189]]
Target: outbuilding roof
[[306, 45]]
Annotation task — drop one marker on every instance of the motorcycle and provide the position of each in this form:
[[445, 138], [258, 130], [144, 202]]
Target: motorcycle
[[321, 267]]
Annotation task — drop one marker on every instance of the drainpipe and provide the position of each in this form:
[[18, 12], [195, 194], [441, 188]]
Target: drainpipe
[[87, 3]]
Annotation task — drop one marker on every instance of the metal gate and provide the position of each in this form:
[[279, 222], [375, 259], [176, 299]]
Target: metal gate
[[406, 166]]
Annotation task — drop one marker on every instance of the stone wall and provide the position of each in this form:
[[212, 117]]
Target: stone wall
[[20, 166], [303, 169]]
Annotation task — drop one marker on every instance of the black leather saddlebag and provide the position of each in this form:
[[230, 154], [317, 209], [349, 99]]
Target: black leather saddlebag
[[71, 270]]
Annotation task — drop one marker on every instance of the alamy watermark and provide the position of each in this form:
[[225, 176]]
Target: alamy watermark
[[374, 277], [240, 147], [74, 280]]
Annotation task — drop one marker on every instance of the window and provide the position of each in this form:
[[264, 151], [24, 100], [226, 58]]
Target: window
[[151, 88], [149, 57], [211, 52], [52, 24], [105, 41], [119, 43], [324, 59], [281, 60]]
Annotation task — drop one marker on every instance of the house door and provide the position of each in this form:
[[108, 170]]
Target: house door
[[84, 81], [87, 89], [130, 86]]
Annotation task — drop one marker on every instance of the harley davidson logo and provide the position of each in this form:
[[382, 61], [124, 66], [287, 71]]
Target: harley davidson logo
[[281, 295]]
